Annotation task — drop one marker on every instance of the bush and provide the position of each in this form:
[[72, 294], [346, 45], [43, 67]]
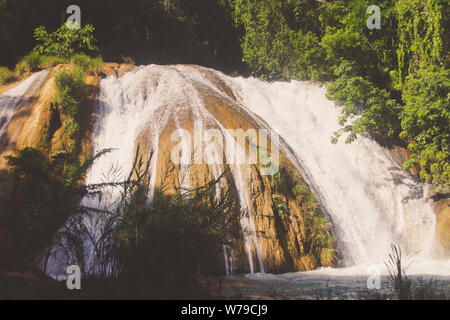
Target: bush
[[6, 75], [35, 61], [88, 64], [404, 287], [166, 245], [48, 192], [371, 70], [397, 274], [368, 108], [157, 249], [47, 196], [48, 62], [29, 63], [319, 240], [70, 94], [71, 90], [65, 41], [425, 123]]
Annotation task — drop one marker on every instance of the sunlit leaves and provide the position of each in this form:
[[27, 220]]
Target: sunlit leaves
[[65, 41]]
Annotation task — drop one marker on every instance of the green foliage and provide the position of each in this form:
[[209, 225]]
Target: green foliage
[[280, 205], [157, 248], [86, 63], [35, 61], [366, 108], [65, 41], [277, 43], [70, 94], [426, 123], [29, 63], [148, 31], [71, 90], [48, 62], [45, 197], [319, 240], [300, 190], [372, 70], [421, 26], [6, 75]]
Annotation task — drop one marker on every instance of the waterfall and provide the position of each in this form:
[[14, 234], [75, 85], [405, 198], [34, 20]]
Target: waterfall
[[371, 201], [145, 102], [12, 99]]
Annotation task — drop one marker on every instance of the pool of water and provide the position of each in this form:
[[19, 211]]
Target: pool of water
[[362, 282]]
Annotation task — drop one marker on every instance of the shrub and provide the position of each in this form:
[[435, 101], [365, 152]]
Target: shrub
[[319, 240], [397, 274], [71, 90], [368, 108], [280, 206], [88, 64], [425, 123], [158, 249], [29, 63], [6, 75], [70, 93], [96, 65], [35, 61], [51, 61], [167, 244], [65, 41], [46, 198]]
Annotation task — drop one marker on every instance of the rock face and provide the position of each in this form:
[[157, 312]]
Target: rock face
[[442, 210], [18, 113], [29, 118], [161, 110], [440, 204]]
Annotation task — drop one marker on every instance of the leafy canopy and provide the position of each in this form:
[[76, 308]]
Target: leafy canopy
[[391, 83], [65, 41]]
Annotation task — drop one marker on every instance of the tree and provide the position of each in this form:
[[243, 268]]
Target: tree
[[65, 41], [425, 123], [381, 78]]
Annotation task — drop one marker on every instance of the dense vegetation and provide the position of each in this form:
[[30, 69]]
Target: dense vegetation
[[392, 82], [148, 31], [45, 194]]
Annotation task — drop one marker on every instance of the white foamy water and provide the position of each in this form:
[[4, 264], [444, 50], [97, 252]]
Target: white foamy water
[[146, 100], [345, 283], [372, 202], [12, 99]]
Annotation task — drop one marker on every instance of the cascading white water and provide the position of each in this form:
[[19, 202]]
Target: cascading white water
[[373, 203], [149, 98], [13, 98], [370, 199]]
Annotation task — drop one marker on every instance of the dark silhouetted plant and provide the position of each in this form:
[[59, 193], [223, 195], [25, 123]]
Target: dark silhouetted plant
[[397, 274]]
